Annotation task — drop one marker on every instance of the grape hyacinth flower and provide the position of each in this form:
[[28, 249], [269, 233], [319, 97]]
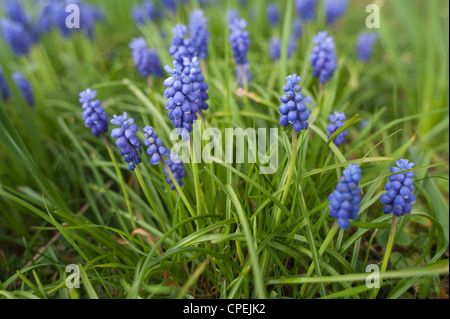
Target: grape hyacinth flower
[[146, 60], [94, 114], [306, 9], [177, 169], [345, 200], [240, 43], [297, 27], [275, 48], [334, 9], [323, 57], [16, 13], [155, 148], [4, 87], [181, 47], [293, 110], [24, 86], [144, 12], [127, 141], [273, 14], [181, 99], [399, 196], [16, 36], [170, 5], [365, 45], [193, 70], [337, 122], [199, 33]]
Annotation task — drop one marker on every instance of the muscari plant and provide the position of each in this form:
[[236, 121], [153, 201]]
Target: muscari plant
[[145, 59], [187, 95], [240, 44], [366, 42]]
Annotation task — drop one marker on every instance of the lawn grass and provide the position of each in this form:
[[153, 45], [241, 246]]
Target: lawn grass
[[230, 232]]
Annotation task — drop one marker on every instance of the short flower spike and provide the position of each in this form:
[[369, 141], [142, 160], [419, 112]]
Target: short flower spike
[[293, 110], [345, 200], [399, 197]]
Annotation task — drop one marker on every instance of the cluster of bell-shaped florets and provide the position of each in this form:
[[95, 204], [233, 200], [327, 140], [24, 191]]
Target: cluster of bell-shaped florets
[[193, 70], [337, 120], [182, 46], [334, 9], [176, 167], [399, 196], [306, 9], [94, 114], [240, 43], [366, 41], [145, 59], [181, 99], [344, 201], [323, 58], [199, 33], [154, 144], [293, 110], [127, 141]]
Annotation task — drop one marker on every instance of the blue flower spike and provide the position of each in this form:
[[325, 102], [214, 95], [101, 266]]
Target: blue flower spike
[[145, 59], [176, 167], [182, 46], [337, 120], [240, 43], [94, 114], [193, 70], [323, 58], [273, 14], [366, 41], [154, 144], [199, 33], [334, 9], [306, 9], [126, 139], [399, 197], [181, 99], [293, 110], [345, 200]]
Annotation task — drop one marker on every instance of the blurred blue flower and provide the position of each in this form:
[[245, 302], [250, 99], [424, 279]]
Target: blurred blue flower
[[94, 114], [306, 9], [177, 169], [366, 41], [144, 12], [146, 60], [399, 197], [323, 57], [24, 86], [345, 200], [293, 110], [16, 36], [16, 13], [127, 141], [334, 9], [297, 27], [240, 43], [199, 33], [273, 14], [4, 87]]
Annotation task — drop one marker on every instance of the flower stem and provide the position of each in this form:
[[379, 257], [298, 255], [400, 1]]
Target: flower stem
[[122, 181], [149, 198], [387, 253], [196, 178], [178, 188], [289, 177]]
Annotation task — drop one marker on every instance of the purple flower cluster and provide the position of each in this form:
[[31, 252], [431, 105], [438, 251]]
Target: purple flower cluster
[[193, 70], [199, 33], [273, 14], [275, 47], [334, 9], [93, 113], [182, 46], [306, 9], [181, 99], [399, 196], [127, 141], [154, 144], [345, 200], [146, 60], [366, 41], [4, 87], [323, 57], [16, 36], [240, 43], [337, 120], [177, 169], [24, 87], [293, 110], [144, 12]]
